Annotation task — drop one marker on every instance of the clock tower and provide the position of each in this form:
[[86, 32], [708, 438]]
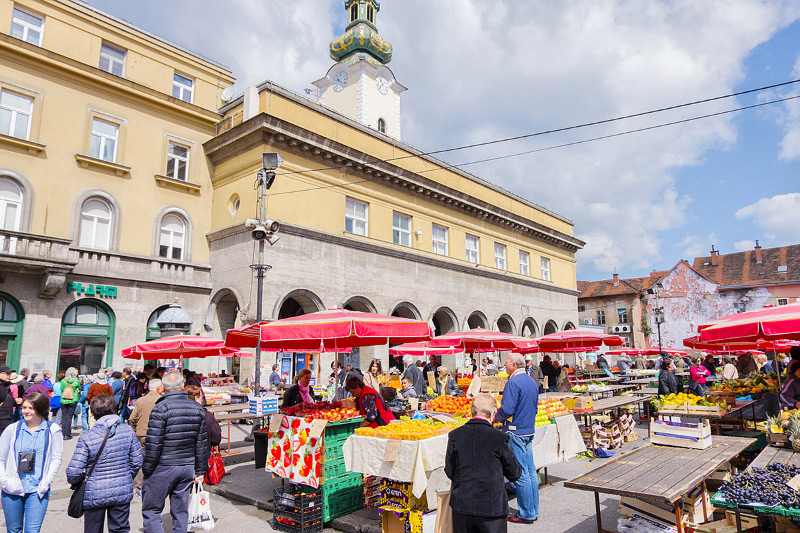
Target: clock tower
[[360, 85]]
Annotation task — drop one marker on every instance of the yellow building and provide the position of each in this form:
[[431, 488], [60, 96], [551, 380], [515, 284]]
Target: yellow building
[[126, 181]]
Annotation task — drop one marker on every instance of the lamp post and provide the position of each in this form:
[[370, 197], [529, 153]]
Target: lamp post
[[263, 230], [659, 312]]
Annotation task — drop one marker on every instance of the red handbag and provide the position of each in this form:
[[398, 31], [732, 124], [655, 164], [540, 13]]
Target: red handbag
[[216, 468]]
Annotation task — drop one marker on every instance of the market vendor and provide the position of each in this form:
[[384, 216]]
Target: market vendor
[[299, 392], [445, 384], [790, 393], [370, 404]]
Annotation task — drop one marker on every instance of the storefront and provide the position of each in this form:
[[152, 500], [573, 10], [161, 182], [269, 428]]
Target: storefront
[[87, 336], [12, 318]]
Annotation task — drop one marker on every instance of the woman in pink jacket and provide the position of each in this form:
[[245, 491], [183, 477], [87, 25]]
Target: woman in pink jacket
[[699, 373]]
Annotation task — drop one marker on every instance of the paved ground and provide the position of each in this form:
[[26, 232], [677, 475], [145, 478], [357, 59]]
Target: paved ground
[[244, 497]]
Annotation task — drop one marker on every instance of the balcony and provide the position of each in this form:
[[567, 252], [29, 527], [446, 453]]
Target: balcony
[[39, 255], [229, 122]]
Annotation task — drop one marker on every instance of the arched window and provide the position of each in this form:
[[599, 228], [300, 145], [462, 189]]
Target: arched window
[[172, 237], [10, 205], [95, 226], [370, 13], [353, 12], [153, 331], [12, 318], [381, 125]]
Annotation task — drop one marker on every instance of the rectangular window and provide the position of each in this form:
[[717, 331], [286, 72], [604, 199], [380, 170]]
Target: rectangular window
[[401, 229], [15, 114], [783, 301], [182, 88], [622, 316], [581, 308], [473, 249], [500, 256], [524, 264], [546, 270], [440, 240], [355, 217], [27, 26], [601, 317], [177, 161], [104, 140], [112, 59]]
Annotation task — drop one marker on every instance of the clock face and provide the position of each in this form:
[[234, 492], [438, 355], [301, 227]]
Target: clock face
[[383, 84], [340, 81]]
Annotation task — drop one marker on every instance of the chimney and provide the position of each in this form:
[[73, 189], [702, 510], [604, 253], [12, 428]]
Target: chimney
[[616, 279], [759, 254], [714, 256]]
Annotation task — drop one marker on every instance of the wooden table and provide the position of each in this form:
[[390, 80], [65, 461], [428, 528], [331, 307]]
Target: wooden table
[[643, 381], [773, 454], [738, 408], [227, 408], [229, 417], [609, 404], [662, 473]]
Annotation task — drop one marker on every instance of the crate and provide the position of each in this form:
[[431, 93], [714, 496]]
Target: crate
[[729, 397], [298, 509], [579, 404], [289, 522], [681, 434], [398, 494], [780, 440], [760, 437], [297, 497], [339, 499], [719, 410], [263, 405]]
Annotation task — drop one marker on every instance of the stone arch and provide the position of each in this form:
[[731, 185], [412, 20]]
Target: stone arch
[[529, 328], [28, 197], [406, 310], [222, 310], [550, 327], [359, 303], [476, 319], [298, 302], [568, 325], [505, 324], [444, 321]]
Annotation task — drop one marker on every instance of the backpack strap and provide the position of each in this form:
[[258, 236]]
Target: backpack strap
[[97, 457]]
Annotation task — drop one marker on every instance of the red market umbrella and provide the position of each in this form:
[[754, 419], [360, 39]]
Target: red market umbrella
[[733, 352], [186, 346], [768, 323], [330, 330], [696, 344], [421, 349], [483, 340], [573, 338], [645, 351]]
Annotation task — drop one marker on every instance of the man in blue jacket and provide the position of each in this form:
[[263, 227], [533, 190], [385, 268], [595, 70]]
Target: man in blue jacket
[[518, 413]]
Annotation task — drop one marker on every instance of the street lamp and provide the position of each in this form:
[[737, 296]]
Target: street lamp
[[659, 312]]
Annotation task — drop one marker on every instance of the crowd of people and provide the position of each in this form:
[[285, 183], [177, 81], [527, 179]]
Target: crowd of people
[[148, 435]]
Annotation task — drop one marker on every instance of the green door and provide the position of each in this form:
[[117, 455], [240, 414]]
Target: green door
[[87, 336], [12, 319]]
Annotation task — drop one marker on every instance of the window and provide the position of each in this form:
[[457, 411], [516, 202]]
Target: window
[[381, 125], [370, 13], [738, 307], [103, 144], [473, 249], [524, 264], [601, 317], [95, 228], [182, 88], [622, 316], [401, 229], [27, 26], [353, 12], [500, 256], [546, 270], [177, 161], [440, 240], [355, 217], [15, 114], [10, 205], [581, 308], [171, 240], [112, 59], [783, 301]]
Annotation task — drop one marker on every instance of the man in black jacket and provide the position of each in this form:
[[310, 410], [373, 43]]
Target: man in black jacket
[[176, 455], [478, 457], [551, 373]]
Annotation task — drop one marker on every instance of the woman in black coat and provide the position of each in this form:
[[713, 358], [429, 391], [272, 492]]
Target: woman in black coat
[[668, 382], [299, 392]]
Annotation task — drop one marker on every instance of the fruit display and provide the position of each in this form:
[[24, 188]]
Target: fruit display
[[746, 386], [465, 381], [502, 374], [541, 420], [763, 486], [331, 411], [552, 407], [450, 404], [589, 386], [408, 429], [674, 400]]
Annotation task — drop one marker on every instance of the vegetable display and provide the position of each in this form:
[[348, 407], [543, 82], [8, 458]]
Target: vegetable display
[[756, 384]]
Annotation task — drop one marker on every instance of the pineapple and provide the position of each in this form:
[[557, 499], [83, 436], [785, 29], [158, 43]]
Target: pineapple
[[794, 430], [774, 424]]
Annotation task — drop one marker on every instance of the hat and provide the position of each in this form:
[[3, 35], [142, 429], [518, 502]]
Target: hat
[[100, 378], [15, 378], [5, 369], [528, 358]]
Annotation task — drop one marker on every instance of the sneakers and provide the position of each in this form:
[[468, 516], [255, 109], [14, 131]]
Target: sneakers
[[517, 520]]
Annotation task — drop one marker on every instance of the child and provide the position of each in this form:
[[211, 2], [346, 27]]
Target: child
[[408, 390], [478, 457]]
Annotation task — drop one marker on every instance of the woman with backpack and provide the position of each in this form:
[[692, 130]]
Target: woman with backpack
[[30, 455], [70, 396]]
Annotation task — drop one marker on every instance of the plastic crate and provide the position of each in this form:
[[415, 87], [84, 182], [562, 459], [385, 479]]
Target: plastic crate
[[722, 503], [297, 497], [334, 469], [308, 524], [341, 500]]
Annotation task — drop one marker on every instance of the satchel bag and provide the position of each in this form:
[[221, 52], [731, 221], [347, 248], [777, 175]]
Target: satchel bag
[[75, 507], [216, 468]]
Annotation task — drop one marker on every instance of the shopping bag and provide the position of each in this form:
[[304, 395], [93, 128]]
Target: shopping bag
[[216, 468], [444, 515], [200, 516]]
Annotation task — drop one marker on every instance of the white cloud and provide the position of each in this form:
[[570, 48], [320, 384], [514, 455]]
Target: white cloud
[[694, 246], [480, 70], [777, 217], [743, 245]]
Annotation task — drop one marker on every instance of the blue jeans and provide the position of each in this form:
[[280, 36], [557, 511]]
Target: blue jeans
[[528, 483], [552, 388], [84, 416], [28, 509]]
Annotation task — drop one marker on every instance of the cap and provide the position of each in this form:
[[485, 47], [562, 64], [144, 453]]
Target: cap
[[6, 369], [528, 358]]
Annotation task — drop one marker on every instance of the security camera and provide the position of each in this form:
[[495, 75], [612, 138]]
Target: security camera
[[272, 225], [251, 223]]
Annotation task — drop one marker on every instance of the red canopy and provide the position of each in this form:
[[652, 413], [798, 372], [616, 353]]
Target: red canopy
[[186, 346], [573, 338], [483, 340], [421, 349], [329, 330], [645, 351], [769, 323]]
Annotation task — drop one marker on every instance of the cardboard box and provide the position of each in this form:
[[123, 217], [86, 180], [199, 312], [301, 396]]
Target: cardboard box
[[394, 520], [398, 494], [579, 404], [263, 405], [728, 525], [681, 434]]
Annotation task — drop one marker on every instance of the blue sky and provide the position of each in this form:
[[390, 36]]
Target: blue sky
[[480, 71]]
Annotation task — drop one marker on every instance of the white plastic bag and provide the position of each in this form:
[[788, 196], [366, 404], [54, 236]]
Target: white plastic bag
[[200, 516]]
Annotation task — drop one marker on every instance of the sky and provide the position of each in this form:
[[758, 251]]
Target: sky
[[480, 70]]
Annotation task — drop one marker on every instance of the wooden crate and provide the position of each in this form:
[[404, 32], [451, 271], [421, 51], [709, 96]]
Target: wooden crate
[[780, 440], [674, 410], [681, 434], [729, 397], [707, 410]]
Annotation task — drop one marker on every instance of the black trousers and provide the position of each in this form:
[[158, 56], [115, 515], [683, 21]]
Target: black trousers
[[466, 523], [118, 516], [67, 412]]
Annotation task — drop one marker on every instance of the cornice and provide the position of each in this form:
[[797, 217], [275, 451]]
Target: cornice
[[266, 129], [394, 253]]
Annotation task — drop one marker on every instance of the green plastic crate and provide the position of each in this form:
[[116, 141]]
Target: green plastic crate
[[760, 436], [341, 497], [334, 469]]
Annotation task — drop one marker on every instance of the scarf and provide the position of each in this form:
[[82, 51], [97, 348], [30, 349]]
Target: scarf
[[304, 393]]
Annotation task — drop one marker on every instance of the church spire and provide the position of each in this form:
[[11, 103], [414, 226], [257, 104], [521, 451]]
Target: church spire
[[361, 40]]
